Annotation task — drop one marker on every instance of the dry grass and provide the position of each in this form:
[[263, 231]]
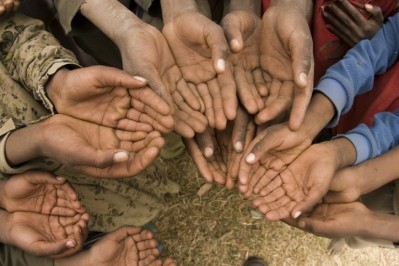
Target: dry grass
[[222, 229]]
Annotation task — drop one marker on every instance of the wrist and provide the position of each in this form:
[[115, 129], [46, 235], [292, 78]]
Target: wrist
[[318, 115], [173, 8], [382, 226], [110, 15], [344, 151], [55, 84], [23, 145], [6, 227], [253, 6], [304, 6]]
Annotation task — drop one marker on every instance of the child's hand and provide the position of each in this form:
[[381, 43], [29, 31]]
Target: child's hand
[[352, 23], [7, 6]]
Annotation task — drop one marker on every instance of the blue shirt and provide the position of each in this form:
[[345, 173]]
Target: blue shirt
[[354, 75]]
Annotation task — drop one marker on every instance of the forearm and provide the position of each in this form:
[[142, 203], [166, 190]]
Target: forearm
[[382, 226], [378, 171], [172, 8], [343, 150], [81, 258], [4, 216], [247, 5], [32, 54], [22, 145], [318, 115], [305, 6], [111, 17]]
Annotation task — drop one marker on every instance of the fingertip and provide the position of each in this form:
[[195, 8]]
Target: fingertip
[[141, 79], [368, 7], [120, 157], [302, 224], [250, 158], [71, 243], [238, 146], [60, 178], [208, 152], [235, 45], [296, 214], [220, 65], [302, 80]]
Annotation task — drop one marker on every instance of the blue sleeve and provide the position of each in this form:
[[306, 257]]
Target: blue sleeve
[[372, 141], [354, 74]]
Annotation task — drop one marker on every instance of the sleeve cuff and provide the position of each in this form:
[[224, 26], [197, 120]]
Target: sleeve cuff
[[333, 90], [41, 93], [362, 146]]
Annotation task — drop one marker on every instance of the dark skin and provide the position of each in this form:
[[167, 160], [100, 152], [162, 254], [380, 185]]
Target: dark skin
[[109, 97], [242, 29], [200, 51], [141, 46], [39, 192], [44, 235], [8, 6], [126, 246], [287, 58], [89, 148], [352, 23], [217, 153]]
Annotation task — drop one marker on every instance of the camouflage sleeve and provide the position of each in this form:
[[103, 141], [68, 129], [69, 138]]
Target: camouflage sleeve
[[31, 55]]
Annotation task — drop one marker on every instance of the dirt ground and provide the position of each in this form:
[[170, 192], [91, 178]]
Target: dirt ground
[[219, 228]]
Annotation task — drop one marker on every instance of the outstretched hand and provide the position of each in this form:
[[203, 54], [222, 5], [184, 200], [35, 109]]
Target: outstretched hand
[[96, 150], [299, 187], [200, 49], [242, 30], [39, 192], [46, 235], [336, 220], [271, 151], [127, 246], [141, 53], [217, 153], [286, 56], [109, 97]]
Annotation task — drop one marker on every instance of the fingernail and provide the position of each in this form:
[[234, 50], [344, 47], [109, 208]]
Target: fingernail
[[141, 79], [235, 44], [60, 178], [301, 224], [121, 156], [221, 65], [208, 152], [238, 146], [71, 243], [297, 214], [368, 7], [250, 158], [303, 79]]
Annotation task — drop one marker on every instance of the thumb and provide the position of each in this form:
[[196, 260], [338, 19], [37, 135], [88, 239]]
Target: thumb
[[306, 205], [302, 59], [53, 249], [375, 14], [233, 35], [90, 156], [217, 43]]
